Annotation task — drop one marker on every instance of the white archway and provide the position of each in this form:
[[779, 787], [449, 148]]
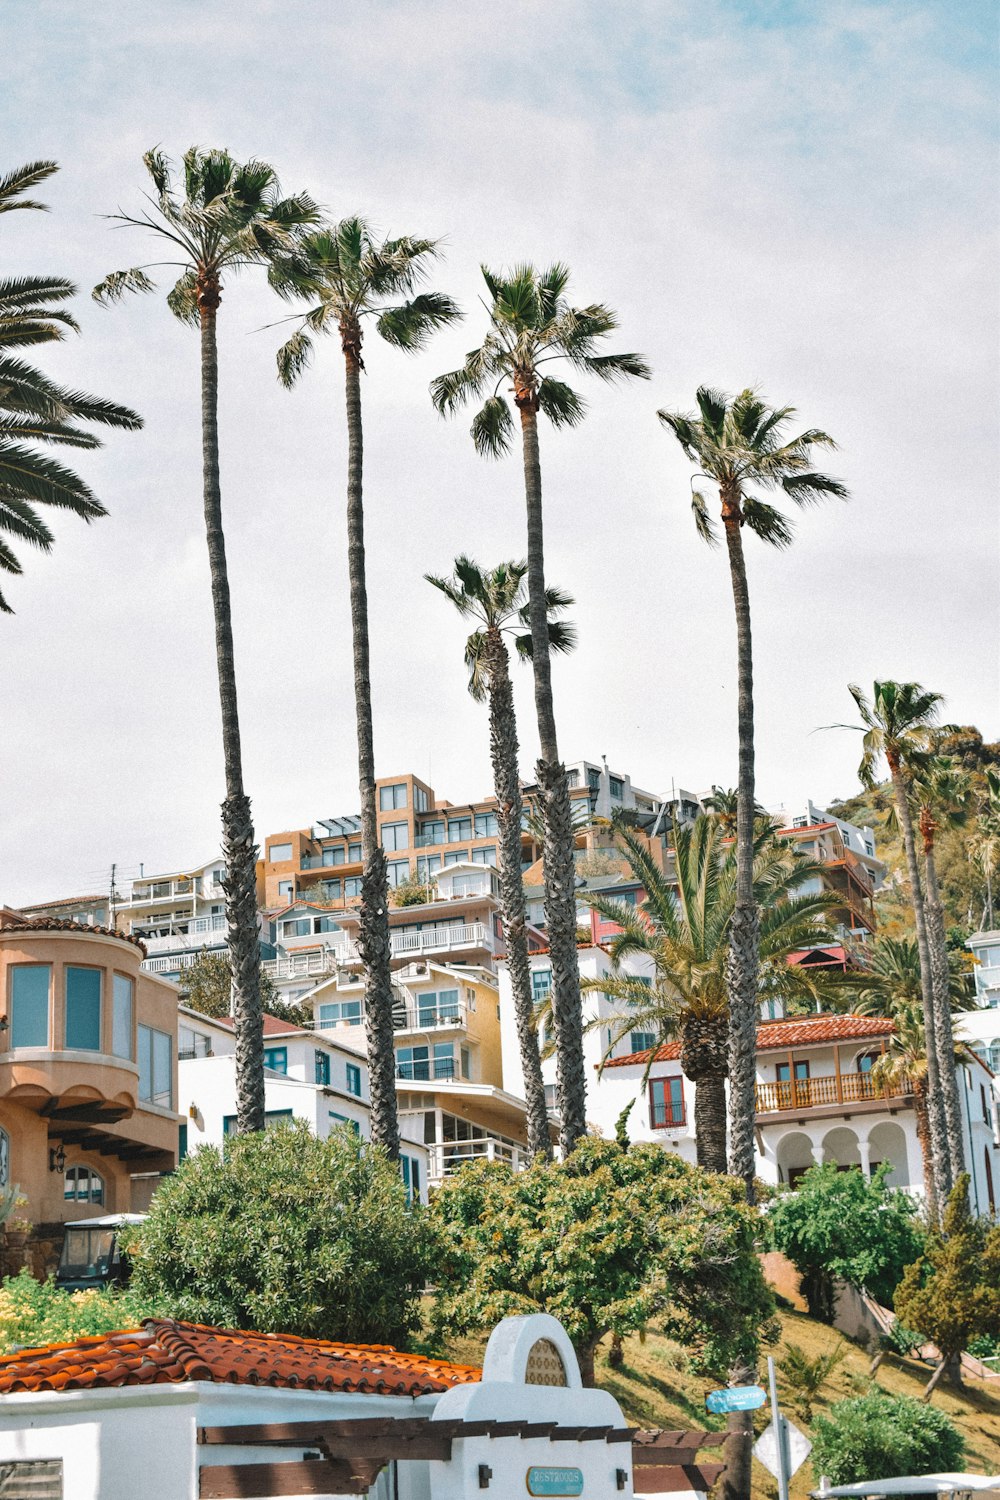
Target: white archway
[[887, 1143], [841, 1146], [795, 1153]]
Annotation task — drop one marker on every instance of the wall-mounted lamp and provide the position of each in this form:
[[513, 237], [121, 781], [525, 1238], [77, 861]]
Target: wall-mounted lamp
[[57, 1158]]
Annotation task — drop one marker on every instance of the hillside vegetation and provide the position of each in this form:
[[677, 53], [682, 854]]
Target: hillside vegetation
[[655, 1389]]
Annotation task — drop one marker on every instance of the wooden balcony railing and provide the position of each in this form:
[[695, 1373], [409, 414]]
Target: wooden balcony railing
[[807, 1093]]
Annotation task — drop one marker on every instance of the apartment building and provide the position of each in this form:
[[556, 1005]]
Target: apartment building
[[89, 911], [846, 876], [981, 1027], [316, 1078], [88, 1070]]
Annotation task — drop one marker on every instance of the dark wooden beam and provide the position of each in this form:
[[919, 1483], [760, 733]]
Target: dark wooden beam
[[304, 1477], [670, 1478], [90, 1110]]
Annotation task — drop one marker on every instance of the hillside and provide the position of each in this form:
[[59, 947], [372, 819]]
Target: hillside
[[655, 1389]]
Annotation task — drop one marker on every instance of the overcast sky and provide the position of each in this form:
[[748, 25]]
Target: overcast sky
[[799, 196]]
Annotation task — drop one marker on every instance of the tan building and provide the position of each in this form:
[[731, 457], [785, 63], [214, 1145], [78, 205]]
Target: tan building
[[88, 1070]]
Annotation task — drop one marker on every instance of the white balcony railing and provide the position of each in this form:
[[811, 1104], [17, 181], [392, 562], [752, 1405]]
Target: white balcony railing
[[168, 965], [303, 965], [443, 940], [202, 932], [448, 1156]]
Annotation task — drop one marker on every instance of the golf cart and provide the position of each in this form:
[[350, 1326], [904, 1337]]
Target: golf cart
[[92, 1254]]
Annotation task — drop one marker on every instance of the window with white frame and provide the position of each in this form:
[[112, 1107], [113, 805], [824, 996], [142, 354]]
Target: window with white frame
[[437, 1007], [83, 1185], [339, 1013], [156, 1084]]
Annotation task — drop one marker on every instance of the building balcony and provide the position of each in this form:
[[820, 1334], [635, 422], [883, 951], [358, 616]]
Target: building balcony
[[446, 1157], [831, 1093], [202, 932], [444, 940], [415, 1017], [304, 965]]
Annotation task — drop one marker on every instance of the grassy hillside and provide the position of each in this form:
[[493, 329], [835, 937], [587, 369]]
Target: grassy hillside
[[655, 1389]]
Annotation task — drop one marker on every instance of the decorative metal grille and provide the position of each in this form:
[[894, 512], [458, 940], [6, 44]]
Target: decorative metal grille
[[545, 1365]]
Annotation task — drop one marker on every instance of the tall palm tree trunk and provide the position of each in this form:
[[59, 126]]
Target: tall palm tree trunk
[[944, 1034], [743, 958], [935, 1113], [742, 965], [560, 867], [924, 1140], [373, 938], [507, 786], [704, 1059], [238, 847]]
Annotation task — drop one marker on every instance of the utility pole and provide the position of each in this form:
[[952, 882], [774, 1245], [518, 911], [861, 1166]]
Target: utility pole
[[113, 902]]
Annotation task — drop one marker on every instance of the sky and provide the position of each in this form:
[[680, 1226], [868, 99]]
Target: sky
[[797, 197]]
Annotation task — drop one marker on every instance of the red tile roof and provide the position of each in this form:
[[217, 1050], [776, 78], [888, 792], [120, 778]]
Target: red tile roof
[[66, 924], [164, 1351], [799, 1031], [272, 1025]]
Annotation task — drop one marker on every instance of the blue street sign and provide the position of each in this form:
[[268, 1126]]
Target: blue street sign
[[552, 1481], [736, 1398]]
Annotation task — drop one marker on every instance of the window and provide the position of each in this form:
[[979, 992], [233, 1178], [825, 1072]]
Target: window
[[122, 1005], [783, 1073], [272, 1119], [391, 797], [410, 1169], [617, 787], [156, 1085], [83, 1009], [866, 1062], [593, 779], [353, 854], [29, 998], [354, 1079], [277, 853], [395, 836], [285, 888], [297, 927], [329, 856], [541, 984], [339, 1013], [352, 886], [426, 1062], [398, 871], [466, 1057], [331, 890], [83, 1186], [437, 1008], [428, 865], [459, 829], [487, 856], [666, 1102], [457, 857], [191, 1043], [800, 822], [321, 1068], [486, 825], [467, 885], [420, 801], [336, 1120], [642, 1041], [869, 848], [182, 1141], [572, 778], [276, 1058], [433, 832]]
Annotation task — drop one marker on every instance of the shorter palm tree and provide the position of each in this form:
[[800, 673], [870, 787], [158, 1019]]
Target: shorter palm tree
[[984, 846], [683, 928], [497, 601]]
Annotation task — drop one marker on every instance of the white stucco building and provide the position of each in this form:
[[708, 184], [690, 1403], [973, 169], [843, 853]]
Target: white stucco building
[[981, 1027]]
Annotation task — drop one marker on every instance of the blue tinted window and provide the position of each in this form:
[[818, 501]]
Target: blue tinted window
[[83, 1009], [30, 1005]]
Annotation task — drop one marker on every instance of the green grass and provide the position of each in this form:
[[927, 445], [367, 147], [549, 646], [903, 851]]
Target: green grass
[[655, 1389]]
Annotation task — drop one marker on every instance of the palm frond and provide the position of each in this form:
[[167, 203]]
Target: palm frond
[[115, 285], [493, 427], [21, 180], [293, 357], [611, 367], [704, 525], [35, 477], [560, 403], [410, 325], [767, 522], [810, 488]]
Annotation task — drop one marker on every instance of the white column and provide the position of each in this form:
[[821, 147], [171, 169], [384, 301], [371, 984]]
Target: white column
[[865, 1151], [818, 1152]]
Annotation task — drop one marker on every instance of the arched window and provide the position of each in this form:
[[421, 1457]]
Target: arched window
[[83, 1186]]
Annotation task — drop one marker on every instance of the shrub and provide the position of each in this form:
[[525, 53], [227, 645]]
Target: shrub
[[881, 1436], [34, 1313], [607, 1241], [841, 1224], [285, 1233]]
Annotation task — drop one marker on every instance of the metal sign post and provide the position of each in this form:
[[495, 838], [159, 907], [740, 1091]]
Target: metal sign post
[[781, 1445]]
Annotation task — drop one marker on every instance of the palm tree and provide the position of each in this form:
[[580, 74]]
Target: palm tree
[[739, 445], [229, 216], [941, 789], [496, 601], [683, 929], [350, 278], [33, 409], [896, 724], [531, 325], [985, 842]]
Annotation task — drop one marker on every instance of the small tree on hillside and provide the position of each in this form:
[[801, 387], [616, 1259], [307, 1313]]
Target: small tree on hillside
[[952, 1292], [880, 1436], [607, 1241], [843, 1225], [285, 1233], [208, 984]]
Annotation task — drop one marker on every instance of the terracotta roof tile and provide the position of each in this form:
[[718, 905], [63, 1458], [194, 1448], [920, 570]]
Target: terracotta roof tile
[[164, 1350], [272, 1025], [66, 924], [799, 1031]]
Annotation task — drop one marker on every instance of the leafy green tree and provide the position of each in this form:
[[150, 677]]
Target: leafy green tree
[[33, 409], [229, 216], [608, 1241], [413, 891], [897, 723], [952, 1291], [683, 928], [740, 445], [882, 1436], [285, 1233], [350, 279], [33, 1312], [495, 600], [843, 1225], [531, 325], [207, 986]]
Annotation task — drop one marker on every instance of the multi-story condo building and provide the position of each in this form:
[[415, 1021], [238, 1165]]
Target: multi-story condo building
[[851, 878], [89, 911], [422, 836], [88, 1070], [316, 1078], [449, 1057], [981, 1027]]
